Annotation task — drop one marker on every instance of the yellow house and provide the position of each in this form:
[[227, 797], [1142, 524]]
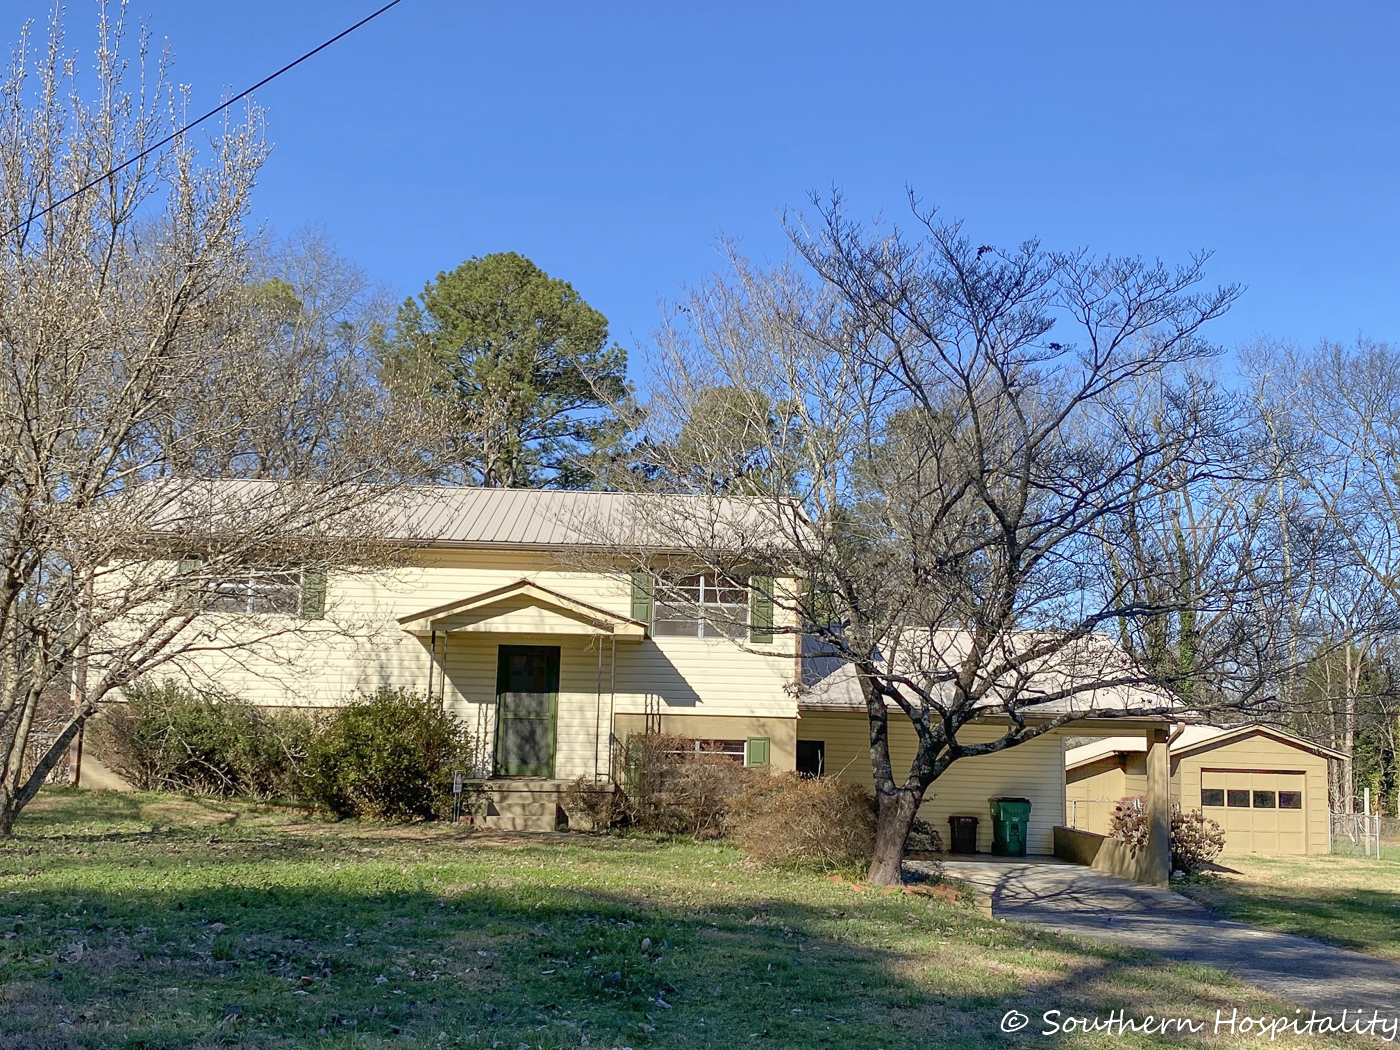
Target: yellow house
[[556, 624], [552, 623], [1265, 787]]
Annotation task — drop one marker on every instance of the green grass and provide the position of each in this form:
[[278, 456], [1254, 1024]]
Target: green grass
[[1350, 901], [145, 921]]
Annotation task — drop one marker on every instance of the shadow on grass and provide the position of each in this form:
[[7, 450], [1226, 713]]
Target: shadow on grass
[[543, 967], [292, 941], [1364, 919]]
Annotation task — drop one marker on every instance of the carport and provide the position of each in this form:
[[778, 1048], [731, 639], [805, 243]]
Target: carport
[[1266, 787]]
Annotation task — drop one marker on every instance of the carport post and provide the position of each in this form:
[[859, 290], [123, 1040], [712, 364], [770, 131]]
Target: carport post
[[1159, 808]]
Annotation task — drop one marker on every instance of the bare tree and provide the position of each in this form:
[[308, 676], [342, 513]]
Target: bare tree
[[942, 440], [1340, 494], [185, 422]]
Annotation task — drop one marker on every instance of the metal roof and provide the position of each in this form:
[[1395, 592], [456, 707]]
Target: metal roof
[[1090, 677], [467, 516]]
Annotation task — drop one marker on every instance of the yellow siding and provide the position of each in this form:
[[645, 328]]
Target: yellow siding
[[360, 647], [1262, 753], [1091, 792], [1034, 770], [1096, 781]]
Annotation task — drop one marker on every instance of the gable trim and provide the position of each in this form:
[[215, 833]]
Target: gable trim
[[622, 627]]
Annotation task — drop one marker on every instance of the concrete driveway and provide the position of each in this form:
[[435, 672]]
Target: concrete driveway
[[1072, 899]]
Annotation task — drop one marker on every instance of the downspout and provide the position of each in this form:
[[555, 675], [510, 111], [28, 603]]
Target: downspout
[[432, 659], [598, 710], [612, 705], [1171, 741]]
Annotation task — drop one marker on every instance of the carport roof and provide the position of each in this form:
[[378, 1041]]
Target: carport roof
[[1091, 678]]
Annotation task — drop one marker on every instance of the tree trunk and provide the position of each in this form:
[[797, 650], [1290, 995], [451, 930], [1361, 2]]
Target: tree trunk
[[896, 816], [8, 812]]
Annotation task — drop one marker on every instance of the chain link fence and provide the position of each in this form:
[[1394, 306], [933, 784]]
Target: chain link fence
[[1356, 834], [1094, 815]]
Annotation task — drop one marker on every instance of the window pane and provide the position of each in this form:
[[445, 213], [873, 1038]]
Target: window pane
[[1264, 800], [274, 592], [229, 596], [730, 749], [675, 627], [727, 621], [1290, 800], [1212, 796], [1237, 799], [258, 591]]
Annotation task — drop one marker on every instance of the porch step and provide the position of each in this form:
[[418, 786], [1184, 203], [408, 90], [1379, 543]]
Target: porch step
[[523, 805], [507, 823]]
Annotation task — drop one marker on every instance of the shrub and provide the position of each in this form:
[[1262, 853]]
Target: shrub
[[671, 788], [1196, 839], [788, 821], [592, 806], [1128, 822], [170, 737], [389, 755], [923, 838]]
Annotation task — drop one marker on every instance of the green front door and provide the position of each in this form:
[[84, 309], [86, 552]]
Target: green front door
[[527, 694]]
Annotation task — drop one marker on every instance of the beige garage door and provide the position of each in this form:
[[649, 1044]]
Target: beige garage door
[[1261, 811]]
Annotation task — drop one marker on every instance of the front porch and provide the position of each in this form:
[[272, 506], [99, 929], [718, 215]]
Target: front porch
[[533, 675]]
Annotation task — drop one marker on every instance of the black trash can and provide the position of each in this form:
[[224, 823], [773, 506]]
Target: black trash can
[[963, 833]]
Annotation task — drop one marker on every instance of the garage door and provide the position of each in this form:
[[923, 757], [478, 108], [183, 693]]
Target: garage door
[[1261, 811]]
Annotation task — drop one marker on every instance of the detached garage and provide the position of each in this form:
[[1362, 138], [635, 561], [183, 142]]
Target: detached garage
[[1265, 787]]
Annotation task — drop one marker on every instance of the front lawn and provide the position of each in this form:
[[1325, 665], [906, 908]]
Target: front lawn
[[1350, 901], [147, 921]]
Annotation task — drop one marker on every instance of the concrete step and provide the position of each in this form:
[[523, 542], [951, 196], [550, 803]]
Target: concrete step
[[519, 809], [518, 822]]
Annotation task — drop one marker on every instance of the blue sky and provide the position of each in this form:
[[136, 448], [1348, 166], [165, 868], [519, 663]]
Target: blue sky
[[613, 144]]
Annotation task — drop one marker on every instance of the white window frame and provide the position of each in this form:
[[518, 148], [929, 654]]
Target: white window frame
[[258, 591], [690, 607]]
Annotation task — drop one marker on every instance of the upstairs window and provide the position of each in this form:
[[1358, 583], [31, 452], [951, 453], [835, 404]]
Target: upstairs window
[[258, 591], [705, 605]]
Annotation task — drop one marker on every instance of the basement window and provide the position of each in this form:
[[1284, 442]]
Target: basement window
[[730, 749]]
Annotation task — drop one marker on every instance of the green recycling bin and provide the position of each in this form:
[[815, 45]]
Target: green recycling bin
[[1009, 819]]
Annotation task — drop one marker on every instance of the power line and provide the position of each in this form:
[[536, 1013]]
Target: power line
[[195, 123]]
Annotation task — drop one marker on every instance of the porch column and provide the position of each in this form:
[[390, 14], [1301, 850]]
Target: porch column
[[1157, 869]]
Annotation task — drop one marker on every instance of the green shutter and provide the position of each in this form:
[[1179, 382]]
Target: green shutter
[[761, 609], [313, 592], [643, 596], [187, 591], [756, 753]]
